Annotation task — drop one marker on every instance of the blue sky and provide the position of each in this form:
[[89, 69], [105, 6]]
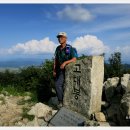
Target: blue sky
[[29, 30]]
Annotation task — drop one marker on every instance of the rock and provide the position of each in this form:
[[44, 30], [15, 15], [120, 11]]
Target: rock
[[25, 120], [19, 123], [124, 80], [37, 122], [10, 112], [112, 82], [54, 112], [1, 122], [27, 98], [30, 123], [3, 108], [10, 105], [48, 117], [1, 102], [112, 123], [111, 112], [11, 123], [91, 123], [50, 125], [116, 99], [104, 124], [40, 110], [110, 87], [82, 91], [128, 87], [125, 105], [15, 119], [41, 122], [6, 98], [6, 117], [105, 104], [6, 124], [119, 89], [27, 93], [53, 101], [2, 96], [34, 122], [5, 93], [100, 117]]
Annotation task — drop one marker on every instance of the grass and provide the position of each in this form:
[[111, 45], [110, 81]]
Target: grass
[[11, 90]]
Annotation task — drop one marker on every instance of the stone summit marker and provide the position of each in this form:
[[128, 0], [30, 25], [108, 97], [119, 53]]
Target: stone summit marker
[[66, 117], [83, 85]]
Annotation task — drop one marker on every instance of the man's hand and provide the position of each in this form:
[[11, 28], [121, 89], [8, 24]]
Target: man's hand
[[63, 65], [54, 73], [67, 62]]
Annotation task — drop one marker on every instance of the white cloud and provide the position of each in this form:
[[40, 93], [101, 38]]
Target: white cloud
[[116, 16], [75, 13], [89, 44], [33, 47]]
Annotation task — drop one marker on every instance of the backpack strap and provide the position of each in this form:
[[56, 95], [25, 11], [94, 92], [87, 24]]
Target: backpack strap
[[68, 49]]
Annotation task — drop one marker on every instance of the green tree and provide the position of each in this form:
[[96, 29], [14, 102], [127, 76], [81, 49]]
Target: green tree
[[115, 65], [6, 78], [45, 81], [28, 78]]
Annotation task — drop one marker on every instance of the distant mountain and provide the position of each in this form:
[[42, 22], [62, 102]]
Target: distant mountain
[[127, 66], [21, 62]]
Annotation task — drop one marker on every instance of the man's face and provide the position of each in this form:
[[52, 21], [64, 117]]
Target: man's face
[[62, 39]]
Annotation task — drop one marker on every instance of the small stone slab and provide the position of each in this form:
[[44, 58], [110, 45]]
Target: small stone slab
[[66, 117]]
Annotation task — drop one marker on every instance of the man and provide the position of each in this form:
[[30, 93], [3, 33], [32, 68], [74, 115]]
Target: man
[[64, 54]]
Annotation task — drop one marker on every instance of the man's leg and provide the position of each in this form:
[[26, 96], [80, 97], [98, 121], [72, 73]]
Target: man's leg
[[59, 82]]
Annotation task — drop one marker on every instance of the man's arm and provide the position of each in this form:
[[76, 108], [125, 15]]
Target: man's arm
[[71, 60], [67, 62], [54, 67]]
